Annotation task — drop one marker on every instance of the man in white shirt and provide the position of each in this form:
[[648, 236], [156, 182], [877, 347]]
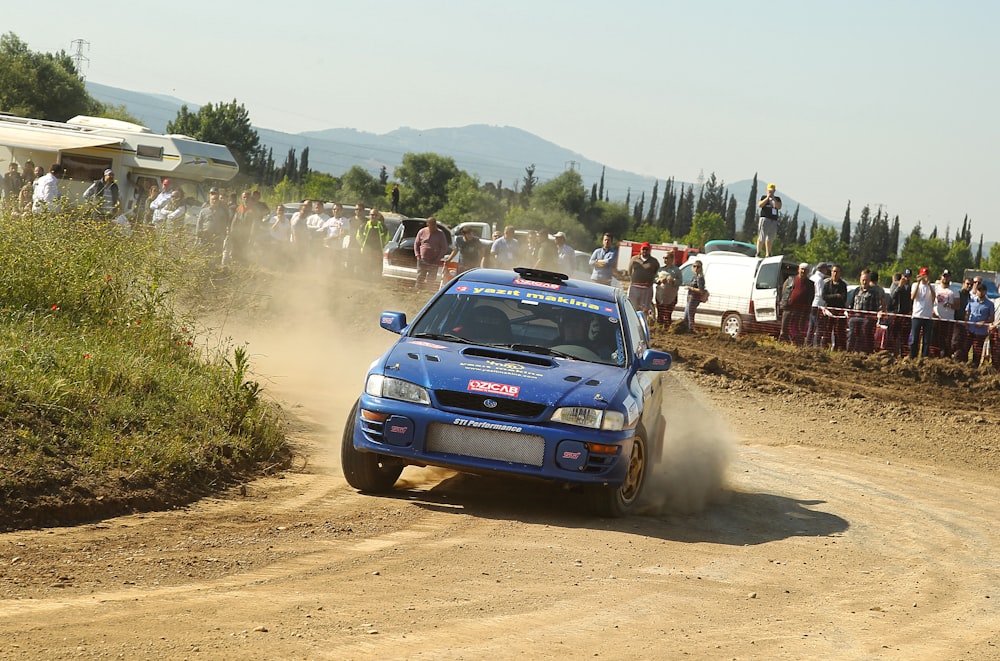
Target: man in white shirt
[[814, 334], [505, 249], [945, 302], [922, 295], [166, 192], [46, 191], [566, 254]]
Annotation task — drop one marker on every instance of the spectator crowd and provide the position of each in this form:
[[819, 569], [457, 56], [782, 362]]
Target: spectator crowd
[[914, 317]]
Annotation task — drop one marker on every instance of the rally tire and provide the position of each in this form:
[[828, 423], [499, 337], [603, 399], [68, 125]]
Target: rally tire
[[365, 471], [619, 501]]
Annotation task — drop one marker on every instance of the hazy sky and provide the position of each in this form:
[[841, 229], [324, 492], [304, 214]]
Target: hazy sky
[[880, 102]]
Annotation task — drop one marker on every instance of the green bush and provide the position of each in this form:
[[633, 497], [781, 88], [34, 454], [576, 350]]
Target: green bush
[[103, 381]]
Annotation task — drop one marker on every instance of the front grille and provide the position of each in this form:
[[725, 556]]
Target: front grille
[[465, 401], [486, 443]]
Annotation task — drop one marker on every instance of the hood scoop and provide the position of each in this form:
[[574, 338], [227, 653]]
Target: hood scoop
[[431, 357], [513, 356], [573, 378]]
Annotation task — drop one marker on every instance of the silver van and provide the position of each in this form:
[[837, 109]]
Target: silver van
[[742, 291]]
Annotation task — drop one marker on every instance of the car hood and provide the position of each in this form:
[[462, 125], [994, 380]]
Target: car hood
[[501, 373]]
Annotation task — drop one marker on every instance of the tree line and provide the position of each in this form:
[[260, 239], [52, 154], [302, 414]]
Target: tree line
[[47, 86]]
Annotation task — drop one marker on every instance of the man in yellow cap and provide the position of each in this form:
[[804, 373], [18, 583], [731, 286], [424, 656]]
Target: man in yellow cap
[[767, 227]]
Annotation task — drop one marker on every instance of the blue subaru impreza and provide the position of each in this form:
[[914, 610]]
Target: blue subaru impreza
[[522, 372]]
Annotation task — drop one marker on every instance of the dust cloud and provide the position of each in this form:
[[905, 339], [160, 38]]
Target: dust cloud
[[697, 450], [310, 340]]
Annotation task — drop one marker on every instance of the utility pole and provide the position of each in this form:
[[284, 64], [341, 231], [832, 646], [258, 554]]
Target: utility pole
[[571, 165], [79, 59]]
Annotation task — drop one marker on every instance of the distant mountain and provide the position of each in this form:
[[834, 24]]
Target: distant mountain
[[497, 154]]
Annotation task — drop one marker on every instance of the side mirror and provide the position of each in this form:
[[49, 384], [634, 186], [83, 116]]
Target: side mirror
[[655, 361], [393, 321]]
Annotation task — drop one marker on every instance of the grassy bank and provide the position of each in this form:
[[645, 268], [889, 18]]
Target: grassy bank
[[109, 401]]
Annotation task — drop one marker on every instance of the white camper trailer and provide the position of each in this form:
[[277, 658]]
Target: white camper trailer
[[86, 146]]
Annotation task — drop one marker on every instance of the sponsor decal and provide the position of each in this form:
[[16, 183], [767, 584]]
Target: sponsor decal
[[475, 385], [398, 429], [386, 320], [479, 424], [535, 295], [571, 455], [543, 285], [501, 368], [429, 345]]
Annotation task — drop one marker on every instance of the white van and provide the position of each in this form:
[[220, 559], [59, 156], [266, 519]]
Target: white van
[[742, 291]]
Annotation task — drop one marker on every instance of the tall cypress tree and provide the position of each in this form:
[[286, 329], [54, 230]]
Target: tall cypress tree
[[894, 237], [845, 228], [880, 238], [860, 246], [731, 217], [651, 214], [291, 167], [600, 190], [303, 165], [637, 216], [668, 208], [685, 213]]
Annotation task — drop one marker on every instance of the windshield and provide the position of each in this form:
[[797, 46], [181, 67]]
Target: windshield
[[564, 327]]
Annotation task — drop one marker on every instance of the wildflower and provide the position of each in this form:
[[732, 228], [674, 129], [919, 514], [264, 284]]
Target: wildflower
[[190, 343], [55, 307], [86, 356]]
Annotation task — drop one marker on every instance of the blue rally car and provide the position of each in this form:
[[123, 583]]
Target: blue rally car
[[522, 372]]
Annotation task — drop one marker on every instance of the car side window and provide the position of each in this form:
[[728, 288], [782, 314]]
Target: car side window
[[637, 338], [767, 277]]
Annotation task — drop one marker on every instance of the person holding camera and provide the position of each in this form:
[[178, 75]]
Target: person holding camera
[[767, 227], [922, 319]]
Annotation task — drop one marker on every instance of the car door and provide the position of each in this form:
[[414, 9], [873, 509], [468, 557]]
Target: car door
[[645, 386], [767, 284]]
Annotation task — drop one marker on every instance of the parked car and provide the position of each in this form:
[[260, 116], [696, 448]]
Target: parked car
[[517, 372], [743, 291], [398, 259]]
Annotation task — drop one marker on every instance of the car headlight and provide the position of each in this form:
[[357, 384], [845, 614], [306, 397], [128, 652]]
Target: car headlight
[[586, 417], [379, 385]]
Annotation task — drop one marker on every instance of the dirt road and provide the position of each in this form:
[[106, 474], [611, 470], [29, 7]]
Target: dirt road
[[785, 526]]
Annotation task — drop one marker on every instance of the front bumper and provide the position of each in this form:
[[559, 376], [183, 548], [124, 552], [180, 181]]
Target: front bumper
[[429, 436]]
